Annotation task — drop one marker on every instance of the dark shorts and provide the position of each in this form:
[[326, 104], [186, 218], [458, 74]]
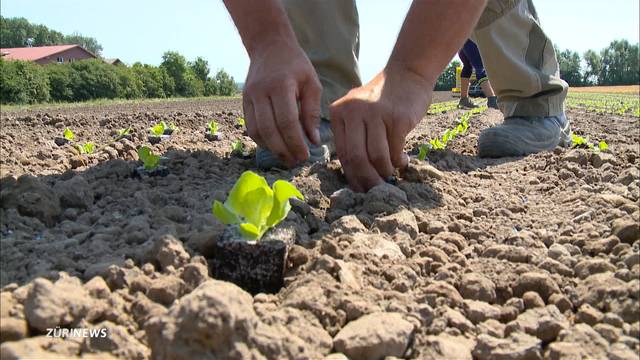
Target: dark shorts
[[470, 56]]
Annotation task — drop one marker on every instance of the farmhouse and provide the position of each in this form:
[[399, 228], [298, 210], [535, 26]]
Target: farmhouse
[[114, 61], [47, 54]]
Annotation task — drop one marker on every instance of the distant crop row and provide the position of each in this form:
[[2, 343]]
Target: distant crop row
[[619, 104]]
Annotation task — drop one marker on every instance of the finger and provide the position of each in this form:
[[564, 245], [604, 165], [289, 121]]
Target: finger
[[337, 127], [250, 117], [378, 147], [288, 123], [396, 138], [310, 98], [359, 171], [269, 132]]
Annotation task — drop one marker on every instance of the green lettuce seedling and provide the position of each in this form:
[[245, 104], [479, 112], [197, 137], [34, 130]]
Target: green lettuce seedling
[[170, 126], [158, 129], [150, 161], [68, 134], [237, 147], [86, 148], [213, 127], [255, 207], [124, 132], [578, 141]]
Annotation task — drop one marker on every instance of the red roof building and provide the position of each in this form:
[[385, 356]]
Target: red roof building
[[47, 54]]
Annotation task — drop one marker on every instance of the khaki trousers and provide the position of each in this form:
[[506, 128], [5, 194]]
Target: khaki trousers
[[519, 58]]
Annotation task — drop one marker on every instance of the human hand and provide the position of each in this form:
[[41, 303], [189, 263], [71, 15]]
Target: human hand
[[280, 78], [370, 124]]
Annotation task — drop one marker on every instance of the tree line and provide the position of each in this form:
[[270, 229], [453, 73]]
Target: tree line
[[617, 64], [23, 82], [19, 32]]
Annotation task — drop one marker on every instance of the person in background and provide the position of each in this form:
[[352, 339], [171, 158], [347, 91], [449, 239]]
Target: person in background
[[471, 59]]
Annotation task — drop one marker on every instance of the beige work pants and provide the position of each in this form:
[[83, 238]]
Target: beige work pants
[[518, 57]]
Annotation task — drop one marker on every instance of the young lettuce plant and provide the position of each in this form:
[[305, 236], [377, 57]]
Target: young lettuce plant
[[157, 129], [123, 132], [68, 135], [578, 141], [240, 123], [170, 128], [149, 160], [213, 127], [255, 207], [86, 148], [237, 147]]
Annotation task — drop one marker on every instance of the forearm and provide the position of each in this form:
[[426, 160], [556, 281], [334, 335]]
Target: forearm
[[260, 23], [433, 31]]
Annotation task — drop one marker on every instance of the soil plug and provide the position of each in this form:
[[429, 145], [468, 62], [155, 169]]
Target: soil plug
[[256, 266], [150, 164], [212, 133], [238, 149], [242, 255], [67, 137], [169, 129], [159, 132]]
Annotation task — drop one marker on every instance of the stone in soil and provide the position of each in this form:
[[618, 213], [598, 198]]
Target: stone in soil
[[375, 336]]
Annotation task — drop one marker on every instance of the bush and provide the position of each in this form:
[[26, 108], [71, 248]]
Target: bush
[[23, 82], [59, 82], [152, 79], [129, 85], [27, 82], [93, 79]]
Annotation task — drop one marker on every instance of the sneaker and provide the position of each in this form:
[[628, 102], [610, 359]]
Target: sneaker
[[492, 102], [519, 136], [466, 103], [266, 160]]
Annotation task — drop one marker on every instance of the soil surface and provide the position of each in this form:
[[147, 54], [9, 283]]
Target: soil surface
[[464, 258]]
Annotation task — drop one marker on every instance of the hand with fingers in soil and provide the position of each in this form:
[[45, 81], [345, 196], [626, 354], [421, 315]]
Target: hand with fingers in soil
[[304, 72]]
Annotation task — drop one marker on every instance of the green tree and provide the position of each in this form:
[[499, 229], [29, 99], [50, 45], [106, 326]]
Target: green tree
[[593, 67], [14, 32], [86, 42], [619, 64], [193, 85], [176, 66], [200, 68], [225, 85], [570, 70], [447, 80]]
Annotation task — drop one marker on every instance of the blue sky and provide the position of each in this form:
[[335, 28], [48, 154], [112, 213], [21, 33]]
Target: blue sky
[[142, 30]]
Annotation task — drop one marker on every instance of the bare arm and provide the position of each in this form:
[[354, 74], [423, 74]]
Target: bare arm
[[370, 123], [260, 23], [432, 33], [280, 78]]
